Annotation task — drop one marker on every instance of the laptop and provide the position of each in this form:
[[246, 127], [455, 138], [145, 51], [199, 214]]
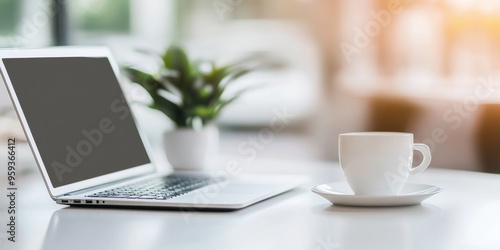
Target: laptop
[[87, 144]]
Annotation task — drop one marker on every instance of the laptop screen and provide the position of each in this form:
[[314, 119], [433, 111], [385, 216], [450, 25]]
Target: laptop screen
[[77, 115]]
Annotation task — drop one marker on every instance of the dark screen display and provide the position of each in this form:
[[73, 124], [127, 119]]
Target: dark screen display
[[77, 115]]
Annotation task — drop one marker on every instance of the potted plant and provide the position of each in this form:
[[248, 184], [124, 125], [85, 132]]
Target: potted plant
[[192, 95]]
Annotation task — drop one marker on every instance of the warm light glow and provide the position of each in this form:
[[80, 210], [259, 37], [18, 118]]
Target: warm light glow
[[465, 5]]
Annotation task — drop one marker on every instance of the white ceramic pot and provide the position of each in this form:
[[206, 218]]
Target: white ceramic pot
[[189, 149]]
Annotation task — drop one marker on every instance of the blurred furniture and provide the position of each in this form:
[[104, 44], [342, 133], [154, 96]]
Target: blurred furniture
[[487, 136], [388, 113], [433, 54], [461, 217]]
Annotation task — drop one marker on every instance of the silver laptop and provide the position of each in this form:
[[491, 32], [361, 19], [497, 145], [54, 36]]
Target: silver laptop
[[87, 144]]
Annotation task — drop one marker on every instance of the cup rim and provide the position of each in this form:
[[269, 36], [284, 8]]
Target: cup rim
[[375, 133]]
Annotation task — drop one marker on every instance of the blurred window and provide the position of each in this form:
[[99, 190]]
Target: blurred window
[[25, 23], [121, 24], [99, 16], [423, 43], [9, 16]]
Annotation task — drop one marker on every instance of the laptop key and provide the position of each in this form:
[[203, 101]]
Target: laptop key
[[146, 197]]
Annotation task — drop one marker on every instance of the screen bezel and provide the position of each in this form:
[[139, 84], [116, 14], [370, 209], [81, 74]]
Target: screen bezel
[[89, 52]]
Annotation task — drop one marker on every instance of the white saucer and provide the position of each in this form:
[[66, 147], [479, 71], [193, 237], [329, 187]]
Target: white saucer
[[339, 193]]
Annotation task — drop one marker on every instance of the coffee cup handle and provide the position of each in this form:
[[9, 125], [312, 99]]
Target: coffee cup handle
[[426, 152]]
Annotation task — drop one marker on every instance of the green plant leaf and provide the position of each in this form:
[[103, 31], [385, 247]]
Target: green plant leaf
[[203, 112], [146, 80], [234, 75], [176, 59], [216, 75], [170, 109]]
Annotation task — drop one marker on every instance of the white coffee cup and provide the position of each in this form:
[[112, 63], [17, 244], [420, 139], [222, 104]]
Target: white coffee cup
[[379, 163]]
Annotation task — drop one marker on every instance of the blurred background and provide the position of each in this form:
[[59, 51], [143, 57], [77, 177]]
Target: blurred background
[[427, 67]]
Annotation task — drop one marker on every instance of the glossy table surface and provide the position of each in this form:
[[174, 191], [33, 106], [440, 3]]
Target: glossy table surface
[[466, 215]]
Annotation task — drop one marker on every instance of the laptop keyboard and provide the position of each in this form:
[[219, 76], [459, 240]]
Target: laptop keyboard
[[160, 189]]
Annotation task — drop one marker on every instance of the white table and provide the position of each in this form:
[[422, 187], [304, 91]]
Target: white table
[[466, 215]]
